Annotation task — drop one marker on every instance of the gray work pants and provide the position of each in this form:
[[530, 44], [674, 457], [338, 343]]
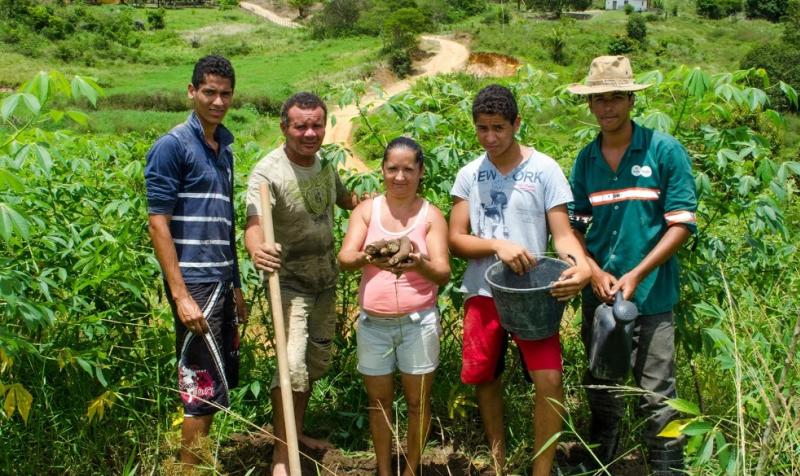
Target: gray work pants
[[653, 363]]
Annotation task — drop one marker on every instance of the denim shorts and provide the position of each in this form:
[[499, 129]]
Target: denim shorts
[[409, 343]]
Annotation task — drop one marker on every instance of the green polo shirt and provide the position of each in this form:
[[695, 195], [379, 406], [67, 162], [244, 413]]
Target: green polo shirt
[[629, 210]]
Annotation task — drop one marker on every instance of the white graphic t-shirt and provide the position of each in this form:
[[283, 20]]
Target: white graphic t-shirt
[[509, 207]]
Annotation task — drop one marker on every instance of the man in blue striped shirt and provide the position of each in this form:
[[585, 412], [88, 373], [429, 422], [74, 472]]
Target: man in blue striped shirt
[[189, 178]]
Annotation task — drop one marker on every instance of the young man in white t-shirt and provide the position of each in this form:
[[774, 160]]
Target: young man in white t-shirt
[[504, 204]]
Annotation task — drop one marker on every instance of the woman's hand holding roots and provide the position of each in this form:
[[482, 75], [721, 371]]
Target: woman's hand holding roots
[[395, 255]]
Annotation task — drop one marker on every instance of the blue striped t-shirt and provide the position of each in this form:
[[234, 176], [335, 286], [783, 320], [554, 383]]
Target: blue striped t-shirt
[[187, 180]]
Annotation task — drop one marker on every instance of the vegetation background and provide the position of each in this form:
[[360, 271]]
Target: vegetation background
[[86, 343]]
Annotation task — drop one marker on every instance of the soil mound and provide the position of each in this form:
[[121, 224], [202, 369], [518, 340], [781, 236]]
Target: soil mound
[[492, 64]]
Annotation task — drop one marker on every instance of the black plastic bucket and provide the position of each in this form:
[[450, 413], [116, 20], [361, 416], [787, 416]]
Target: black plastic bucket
[[523, 302]]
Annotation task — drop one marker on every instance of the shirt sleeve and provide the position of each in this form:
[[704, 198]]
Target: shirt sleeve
[[680, 197], [580, 209], [341, 190], [461, 185], [162, 175], [257, 177], [556, 191]]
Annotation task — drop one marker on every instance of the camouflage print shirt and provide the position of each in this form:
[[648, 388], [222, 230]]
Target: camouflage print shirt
[[302, 215]]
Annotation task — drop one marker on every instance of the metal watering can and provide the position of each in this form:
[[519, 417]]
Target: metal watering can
[[612, 338]]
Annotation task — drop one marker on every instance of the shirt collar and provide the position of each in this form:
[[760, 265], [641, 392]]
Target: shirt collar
[[637, 141], [222, 135]]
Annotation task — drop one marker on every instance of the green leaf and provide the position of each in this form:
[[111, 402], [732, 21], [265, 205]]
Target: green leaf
[[746, 184], [9, 180], [657, 120], [9, 104], [78, 117], [756, 98], [775, 118], [702, 183], [86, 88], [684, 406], [790, 92], [39, 86], [31, 103], [697, 83], [725, 91], [255, 388], [100, 377], [86, 366], [43, 157], [697, 427], [12, 223], [708, 449], [56, 115]]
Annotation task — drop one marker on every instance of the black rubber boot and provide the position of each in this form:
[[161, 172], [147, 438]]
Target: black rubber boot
[[666, 462], [604, 438]]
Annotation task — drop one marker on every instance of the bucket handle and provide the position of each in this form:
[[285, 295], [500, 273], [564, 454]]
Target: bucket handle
[[574, 263]]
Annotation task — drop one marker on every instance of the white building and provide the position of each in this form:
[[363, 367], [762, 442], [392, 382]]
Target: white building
[[638, 5]]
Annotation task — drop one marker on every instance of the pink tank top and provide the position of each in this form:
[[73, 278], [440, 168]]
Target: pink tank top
[[383, 293]]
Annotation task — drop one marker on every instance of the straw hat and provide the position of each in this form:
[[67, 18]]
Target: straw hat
[[607, 74]]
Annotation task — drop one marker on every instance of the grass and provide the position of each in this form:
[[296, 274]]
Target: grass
[[148, 93], [716, 45]]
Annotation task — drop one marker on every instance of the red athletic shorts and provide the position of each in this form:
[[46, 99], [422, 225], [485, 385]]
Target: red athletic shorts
[[485, 343]]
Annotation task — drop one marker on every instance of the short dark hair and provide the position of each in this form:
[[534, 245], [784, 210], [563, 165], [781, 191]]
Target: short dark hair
[[405, 143], [303, 100], [495, 99], [213, 64]]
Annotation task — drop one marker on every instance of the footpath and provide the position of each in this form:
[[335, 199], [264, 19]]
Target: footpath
[[449, 57]]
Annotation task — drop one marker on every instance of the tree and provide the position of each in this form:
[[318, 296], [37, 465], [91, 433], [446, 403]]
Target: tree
[[637, 27], [781, 59], [400, 32], [302, 6], [338, 18], [556, 7], [791, 26], [771, 10], [716, 9]]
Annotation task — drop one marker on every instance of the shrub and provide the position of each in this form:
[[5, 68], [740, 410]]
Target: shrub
[[229, 49], [637, 27], [580, 5], [771, 10], [302, 6], [628, 8], [400, 62], [620, 45], [338, 18], [556, 42], [401, 28], [400, 32], [496, 14], [155, 18], [716, 9]]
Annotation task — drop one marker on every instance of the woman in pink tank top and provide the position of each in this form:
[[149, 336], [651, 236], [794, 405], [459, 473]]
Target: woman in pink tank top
[[399, 323]]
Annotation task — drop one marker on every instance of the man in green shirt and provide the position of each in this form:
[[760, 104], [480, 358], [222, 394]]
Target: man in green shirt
[[634, 204]]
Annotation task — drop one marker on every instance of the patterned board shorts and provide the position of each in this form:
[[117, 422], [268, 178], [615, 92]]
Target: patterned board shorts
[[208, 365]]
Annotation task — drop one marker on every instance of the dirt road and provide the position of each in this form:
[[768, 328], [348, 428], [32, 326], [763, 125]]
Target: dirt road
[[269, 15], [450, 57]]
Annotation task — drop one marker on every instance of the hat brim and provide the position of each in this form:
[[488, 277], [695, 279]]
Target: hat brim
[[583, 90]]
